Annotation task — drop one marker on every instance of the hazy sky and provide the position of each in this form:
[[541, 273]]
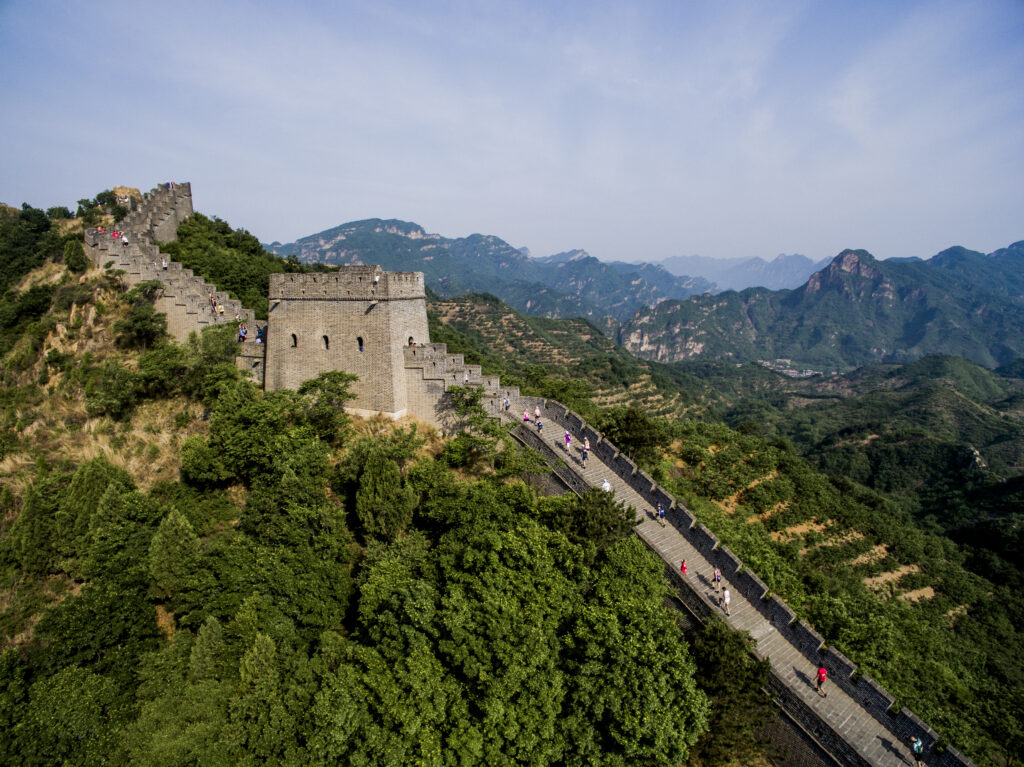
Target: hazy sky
[[634, 130]]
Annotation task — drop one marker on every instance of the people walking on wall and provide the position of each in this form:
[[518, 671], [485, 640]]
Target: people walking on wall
[[917, 747], [259, 334], [506, 403], [822, 676], [243, 331], [124, 241], [661, 514], [540, 425], [163, 263], [684, 568], [465, 378], [606, 486], [220, 309], [726, 598], [568, 441], [586, 451], [526, 416]]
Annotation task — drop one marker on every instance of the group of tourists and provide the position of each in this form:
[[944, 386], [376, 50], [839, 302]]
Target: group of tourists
[[243, 333], [584, 449], [115, 236], [721, 591], [216, 307]]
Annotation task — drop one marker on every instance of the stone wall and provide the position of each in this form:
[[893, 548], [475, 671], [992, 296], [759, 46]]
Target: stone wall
[[869, 694], [185, 297]]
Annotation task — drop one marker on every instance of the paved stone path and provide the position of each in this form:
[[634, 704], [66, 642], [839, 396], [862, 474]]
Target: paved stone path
[[872, 742]]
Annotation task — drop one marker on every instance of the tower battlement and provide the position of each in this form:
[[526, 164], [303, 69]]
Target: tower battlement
[[351, 283]]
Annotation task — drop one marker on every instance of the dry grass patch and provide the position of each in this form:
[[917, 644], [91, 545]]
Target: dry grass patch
[[730, 504], [918, 594], [799, 530], [892, 576], [955, 613], [165, 621]]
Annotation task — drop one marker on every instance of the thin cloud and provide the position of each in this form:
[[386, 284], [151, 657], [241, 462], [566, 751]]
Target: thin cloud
[[637, 131]]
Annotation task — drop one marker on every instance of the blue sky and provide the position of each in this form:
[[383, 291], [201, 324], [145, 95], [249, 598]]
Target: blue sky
[[636, 131]]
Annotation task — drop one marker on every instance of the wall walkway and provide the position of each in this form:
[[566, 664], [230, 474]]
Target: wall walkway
[[856, 722]]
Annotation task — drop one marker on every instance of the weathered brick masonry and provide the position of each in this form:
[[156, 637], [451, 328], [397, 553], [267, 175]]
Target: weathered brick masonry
[[359, 319]]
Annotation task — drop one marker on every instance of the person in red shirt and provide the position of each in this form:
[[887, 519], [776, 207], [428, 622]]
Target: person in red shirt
[[683, 568], [822, 676]]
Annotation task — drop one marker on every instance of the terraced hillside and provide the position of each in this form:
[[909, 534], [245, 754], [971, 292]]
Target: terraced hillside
[[894, 598], [534, 351]]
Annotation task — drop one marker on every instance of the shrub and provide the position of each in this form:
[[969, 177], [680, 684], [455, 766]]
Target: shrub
[[74, 256]]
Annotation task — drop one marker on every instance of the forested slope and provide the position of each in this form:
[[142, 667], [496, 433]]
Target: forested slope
[[194, 571]]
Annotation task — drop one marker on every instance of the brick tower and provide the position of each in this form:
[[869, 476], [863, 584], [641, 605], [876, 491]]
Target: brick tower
[[358, 320]]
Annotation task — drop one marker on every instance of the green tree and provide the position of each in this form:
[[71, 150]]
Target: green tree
[[634, 432], [324, 399], [633, 699], [81, 501], [596, 519], [174, 557], [74, 256], [113, 390], [142, 328], [260, 730], [71, 716], [34, 533], [384, 503], [734, 681]]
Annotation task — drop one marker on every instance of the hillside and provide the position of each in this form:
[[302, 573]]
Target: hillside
[[193, 571], [568, 285], [854, 312]]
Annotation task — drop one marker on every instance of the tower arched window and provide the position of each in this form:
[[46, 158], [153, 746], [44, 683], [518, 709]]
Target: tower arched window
[[295, 340], [410, 340], [327, 343], [359, 341]]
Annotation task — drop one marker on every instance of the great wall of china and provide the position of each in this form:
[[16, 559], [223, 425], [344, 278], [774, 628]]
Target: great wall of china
[[857, 724]]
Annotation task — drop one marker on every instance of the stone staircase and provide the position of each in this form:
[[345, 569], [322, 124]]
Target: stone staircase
[[185, 297], [857, 723], [430, 370]]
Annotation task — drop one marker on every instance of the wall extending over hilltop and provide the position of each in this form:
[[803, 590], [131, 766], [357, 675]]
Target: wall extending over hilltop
[[185, 297]]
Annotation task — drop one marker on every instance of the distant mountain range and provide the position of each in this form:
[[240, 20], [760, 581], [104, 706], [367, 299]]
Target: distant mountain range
[[784, 271], [855, 311], [571, 284]]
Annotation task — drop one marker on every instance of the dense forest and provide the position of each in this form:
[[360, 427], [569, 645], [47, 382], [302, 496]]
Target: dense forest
[[198, 572]]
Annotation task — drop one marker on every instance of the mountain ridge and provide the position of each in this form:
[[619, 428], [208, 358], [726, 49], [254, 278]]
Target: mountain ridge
[[855, 311], [569, 284]]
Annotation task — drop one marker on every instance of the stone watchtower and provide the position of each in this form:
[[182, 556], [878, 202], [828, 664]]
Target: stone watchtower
[[358, 320]]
